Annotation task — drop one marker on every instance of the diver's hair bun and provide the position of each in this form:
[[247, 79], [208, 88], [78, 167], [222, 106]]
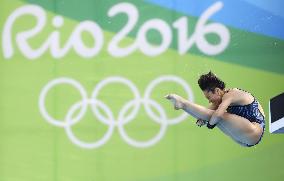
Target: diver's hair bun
[[210, 81]]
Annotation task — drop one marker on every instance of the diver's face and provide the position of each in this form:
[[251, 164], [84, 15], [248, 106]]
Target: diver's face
[[214, 97]]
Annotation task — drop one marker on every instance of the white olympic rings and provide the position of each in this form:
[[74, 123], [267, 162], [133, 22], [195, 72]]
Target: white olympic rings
[[109, 118]]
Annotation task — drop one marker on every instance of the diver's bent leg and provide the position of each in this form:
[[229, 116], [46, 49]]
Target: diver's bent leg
[[241, 129], [229, 134], [197, 111]]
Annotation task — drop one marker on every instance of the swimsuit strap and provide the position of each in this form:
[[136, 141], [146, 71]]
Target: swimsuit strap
[[254, 99]]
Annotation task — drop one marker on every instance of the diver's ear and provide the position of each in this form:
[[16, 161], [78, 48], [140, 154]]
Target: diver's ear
[[218, 91]]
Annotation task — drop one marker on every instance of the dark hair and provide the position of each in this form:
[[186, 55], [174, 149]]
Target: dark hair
[[209, 82]]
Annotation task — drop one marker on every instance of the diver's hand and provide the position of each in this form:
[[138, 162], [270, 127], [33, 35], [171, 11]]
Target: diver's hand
[[177, 101], [201, 122]]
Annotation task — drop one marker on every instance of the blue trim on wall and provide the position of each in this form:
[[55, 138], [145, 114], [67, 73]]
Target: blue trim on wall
[[238, 14]]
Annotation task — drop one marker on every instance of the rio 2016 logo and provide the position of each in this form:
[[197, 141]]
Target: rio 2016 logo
[[52, 42]]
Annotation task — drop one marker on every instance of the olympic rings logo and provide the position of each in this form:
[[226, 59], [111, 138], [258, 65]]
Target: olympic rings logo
[[109, 119]]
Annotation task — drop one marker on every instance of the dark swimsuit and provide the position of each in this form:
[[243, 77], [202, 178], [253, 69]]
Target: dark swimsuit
[[250, 112]]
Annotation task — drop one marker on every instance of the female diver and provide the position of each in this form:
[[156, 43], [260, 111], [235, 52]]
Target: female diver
[[235, 112]]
